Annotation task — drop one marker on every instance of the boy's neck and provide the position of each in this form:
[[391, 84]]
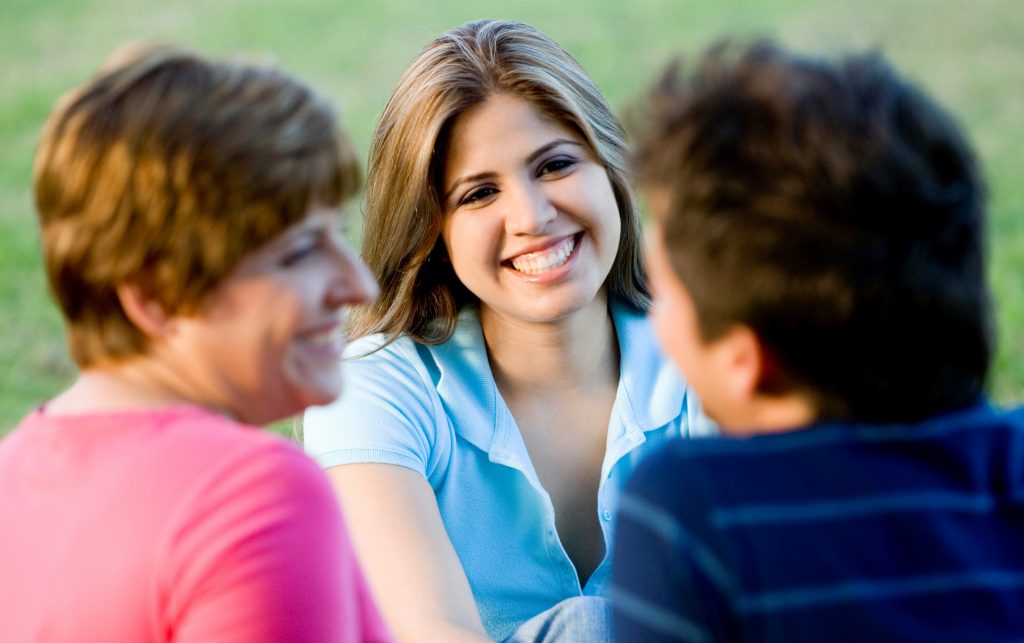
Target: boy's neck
[[764, 414]]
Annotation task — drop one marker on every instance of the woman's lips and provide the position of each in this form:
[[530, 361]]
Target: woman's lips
[[550, 258]]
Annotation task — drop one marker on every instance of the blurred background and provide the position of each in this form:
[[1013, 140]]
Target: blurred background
[[969, 55]]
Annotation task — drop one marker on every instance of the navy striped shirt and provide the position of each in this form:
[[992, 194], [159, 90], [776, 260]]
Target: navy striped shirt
[[839, 532]]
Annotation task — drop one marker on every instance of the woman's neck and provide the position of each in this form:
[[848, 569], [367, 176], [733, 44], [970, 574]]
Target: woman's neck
[[579, 351], [134, 384]]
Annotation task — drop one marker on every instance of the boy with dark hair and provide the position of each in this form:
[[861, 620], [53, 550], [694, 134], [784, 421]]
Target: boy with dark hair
[[817, 262]]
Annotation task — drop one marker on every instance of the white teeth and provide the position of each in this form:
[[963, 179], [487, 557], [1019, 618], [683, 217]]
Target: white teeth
[[334, 337], [548, 259]]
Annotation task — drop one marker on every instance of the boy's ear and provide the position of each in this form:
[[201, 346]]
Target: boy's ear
[[748, 362], [146, 313]]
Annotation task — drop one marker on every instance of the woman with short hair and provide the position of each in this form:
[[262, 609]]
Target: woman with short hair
[[189, 212]]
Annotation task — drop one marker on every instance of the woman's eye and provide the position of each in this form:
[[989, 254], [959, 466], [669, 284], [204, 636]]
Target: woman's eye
[[478, 194], [556, 165], [300, 254]]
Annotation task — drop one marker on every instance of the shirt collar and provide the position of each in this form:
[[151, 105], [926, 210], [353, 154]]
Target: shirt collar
[[466, 384], [652, 386], [650, 391]]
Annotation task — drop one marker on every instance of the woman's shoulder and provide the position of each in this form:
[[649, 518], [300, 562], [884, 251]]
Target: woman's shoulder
[[207, 441], [397, 373], [390, 409], [463, 347], [417, 381], [380, 347], [176, 453]]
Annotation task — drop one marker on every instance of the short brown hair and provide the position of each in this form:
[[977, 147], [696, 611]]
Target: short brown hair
[[164, 170], [420, 293], [835, 210]]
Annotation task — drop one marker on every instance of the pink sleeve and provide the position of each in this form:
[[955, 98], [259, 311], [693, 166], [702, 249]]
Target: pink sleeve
[[261, 554]]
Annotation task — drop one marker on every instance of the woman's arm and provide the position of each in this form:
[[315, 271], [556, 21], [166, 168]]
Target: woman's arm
[[409, 562]]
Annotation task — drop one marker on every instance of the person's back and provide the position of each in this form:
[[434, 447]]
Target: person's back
[[818, 271], [841, 532], [165, 524]]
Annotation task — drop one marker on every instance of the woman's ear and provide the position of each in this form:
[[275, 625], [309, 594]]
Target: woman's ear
[[146, 313]]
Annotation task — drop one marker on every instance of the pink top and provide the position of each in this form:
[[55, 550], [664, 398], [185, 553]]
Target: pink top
[[171, 524]]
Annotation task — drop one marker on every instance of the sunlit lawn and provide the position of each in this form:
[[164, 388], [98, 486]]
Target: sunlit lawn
[[970, 54]]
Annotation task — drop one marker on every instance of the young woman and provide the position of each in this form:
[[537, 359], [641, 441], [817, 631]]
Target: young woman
[[189, 213], [506, 382]]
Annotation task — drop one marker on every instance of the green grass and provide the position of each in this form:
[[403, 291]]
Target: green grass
[[970, 55]]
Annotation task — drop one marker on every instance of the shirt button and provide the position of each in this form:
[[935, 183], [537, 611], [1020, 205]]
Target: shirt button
[[607, 515]]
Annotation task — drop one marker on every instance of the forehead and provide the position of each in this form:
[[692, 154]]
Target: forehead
[[317, 219], [502, 127]]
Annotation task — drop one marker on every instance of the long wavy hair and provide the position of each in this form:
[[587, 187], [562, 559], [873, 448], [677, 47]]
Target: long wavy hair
[[420, 293]]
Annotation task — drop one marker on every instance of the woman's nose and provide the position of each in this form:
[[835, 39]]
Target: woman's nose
[[355, 284], [529, 210]]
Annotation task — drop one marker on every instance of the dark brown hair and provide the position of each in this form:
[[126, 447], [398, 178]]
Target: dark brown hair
[[838, 212]]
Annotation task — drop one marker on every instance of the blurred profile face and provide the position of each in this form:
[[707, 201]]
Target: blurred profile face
[[268, 342], [726, 372], [675, 321], [532, 226]]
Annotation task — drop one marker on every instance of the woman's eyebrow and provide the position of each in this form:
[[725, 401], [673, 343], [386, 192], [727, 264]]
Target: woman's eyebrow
[[549, 146]]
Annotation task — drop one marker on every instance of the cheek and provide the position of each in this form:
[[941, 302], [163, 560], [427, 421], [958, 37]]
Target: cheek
[[675, 328], [470, 246], [665, 326], [614, 228], [288, 310], [301, 294], [607, 220]]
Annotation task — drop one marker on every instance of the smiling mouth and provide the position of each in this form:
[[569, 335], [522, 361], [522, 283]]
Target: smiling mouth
[[535, 263], [329, 343]]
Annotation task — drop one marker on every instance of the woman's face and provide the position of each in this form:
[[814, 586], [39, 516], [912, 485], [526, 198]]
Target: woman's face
[[268, 342], [531, 222]]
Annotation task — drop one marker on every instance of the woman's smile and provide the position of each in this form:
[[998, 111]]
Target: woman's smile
[[546, 262], [532, 224]]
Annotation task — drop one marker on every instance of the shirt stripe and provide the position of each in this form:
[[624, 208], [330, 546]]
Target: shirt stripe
[[868, 534], [852, 508], [660, 522], [657, 618], [862, 590]]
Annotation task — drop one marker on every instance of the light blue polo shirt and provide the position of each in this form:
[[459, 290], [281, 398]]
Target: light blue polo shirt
[[437, 410]]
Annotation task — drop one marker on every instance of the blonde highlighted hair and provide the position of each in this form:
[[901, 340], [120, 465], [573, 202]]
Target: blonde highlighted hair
[[420, 294], [163, 171]]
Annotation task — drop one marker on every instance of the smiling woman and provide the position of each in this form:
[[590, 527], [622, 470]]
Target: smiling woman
[[188, 211], [268, 342], [506, 383]]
